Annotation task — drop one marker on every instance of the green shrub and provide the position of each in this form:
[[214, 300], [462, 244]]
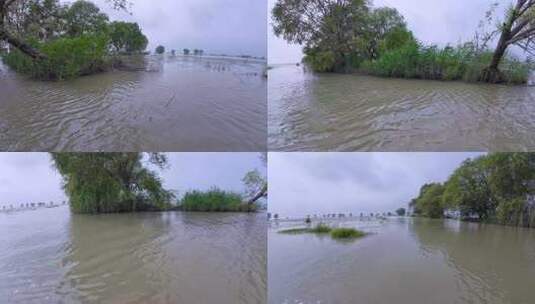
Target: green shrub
[[346, 233], [66, 58], [321, 61], [215, 200]]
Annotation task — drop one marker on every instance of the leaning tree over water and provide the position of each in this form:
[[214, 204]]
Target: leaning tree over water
[[518, 29]]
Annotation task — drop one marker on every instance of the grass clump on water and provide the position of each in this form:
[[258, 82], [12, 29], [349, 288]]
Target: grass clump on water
[[319, 228], [346, 233]]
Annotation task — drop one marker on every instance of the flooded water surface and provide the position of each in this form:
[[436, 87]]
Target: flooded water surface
[[340, 112], [51, 256], [404, 261], [172, 104]]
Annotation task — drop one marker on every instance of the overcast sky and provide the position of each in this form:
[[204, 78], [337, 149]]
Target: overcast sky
[[218, 26], [432, 21], [30, 177], [315, 183]]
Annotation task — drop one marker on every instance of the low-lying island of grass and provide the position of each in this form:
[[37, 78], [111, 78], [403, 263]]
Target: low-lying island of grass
[[335, 233], [215, 200]]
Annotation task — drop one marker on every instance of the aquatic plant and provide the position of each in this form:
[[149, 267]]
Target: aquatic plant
[[319, 229], [215, 200], [346, 233]]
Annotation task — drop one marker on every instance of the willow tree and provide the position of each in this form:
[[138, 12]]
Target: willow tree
[[112, 182], [518, 29], [327, 29]]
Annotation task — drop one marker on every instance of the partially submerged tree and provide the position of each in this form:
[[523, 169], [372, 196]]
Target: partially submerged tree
[[255, 183], [41, 16], [518, 29], [112, 182]]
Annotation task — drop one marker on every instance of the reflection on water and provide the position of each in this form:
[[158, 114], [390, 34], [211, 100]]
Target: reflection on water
[[405, 261], [351, 112], [172, 104], [52, 256]]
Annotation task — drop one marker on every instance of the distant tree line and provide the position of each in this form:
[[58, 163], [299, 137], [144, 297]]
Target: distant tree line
[[54, 41], [495, 188]]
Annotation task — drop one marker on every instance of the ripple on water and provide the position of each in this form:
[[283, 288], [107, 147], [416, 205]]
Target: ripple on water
[[354, 112], [133, 258], [183, 105]]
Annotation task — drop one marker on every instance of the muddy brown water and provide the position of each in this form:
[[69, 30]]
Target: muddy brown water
[[404, 261], [52, 256], [169, 104], [340, 112]]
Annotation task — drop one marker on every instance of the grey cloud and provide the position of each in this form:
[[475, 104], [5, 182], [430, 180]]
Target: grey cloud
[[310, 183], [218, 26]]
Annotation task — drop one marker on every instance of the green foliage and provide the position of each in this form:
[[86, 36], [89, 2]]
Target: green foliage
[[320, 61], [66, 58], [186, 51], [160, 49], [111, 182], [401, 212], [429, 201], [350, 34], [413, 60], [74, 39], [295, 231], [318, 229], [84, 18], [215, 200], [498, 187], [126, 37], [321, 228], [346, 233]]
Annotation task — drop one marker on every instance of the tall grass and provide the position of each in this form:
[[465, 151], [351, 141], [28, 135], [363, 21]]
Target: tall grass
[[414, 60], [215, 200]]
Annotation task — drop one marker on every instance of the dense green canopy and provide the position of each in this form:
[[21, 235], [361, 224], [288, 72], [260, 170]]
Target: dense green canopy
[[112, 182], [498, 187], [55, 41]]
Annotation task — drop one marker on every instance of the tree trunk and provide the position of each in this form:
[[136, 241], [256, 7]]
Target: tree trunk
[[492, 73], [14, 41], [259, 195]]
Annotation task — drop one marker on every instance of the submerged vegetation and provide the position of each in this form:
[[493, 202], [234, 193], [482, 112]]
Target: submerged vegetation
[[54, 41], [351, 35], [495, 188], [346, 233], [215, 200], [335, 233]]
